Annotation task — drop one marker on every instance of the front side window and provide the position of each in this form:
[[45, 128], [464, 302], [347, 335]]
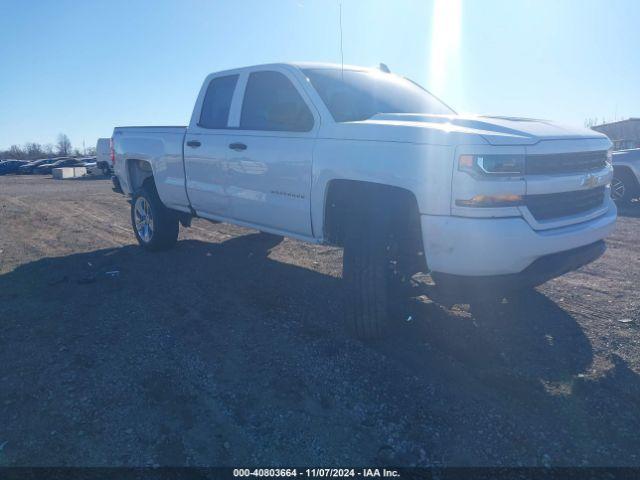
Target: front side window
[[217, 102], [355, 95], [272, 103]]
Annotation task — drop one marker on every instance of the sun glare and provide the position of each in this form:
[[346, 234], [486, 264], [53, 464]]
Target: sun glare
[[445, 44]]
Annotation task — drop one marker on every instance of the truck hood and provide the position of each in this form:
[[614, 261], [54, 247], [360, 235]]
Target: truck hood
[[468, 129]]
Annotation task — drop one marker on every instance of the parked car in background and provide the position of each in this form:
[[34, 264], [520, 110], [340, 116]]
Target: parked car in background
[[61, 162], [37, 170], [625, 185], [103, 155], [31, 166], [87, 160], [11, 166], [91, 165], [372, 162]]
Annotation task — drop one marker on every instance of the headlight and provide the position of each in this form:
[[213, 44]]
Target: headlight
[[491, 201], [492, 165]]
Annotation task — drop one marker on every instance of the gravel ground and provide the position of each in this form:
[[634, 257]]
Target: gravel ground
[[229, 350]]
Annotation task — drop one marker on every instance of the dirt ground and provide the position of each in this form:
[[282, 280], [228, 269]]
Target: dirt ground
[[230, 350]]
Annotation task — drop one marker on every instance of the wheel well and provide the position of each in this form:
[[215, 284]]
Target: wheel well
[[141, 175], [393, 209], [624, 171], [139, 172]]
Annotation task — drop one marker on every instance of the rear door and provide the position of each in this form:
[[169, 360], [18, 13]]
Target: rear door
[[270, 153], [206, 146]]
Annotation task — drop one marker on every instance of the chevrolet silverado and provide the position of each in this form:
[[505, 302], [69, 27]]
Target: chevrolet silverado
[[370, 161]]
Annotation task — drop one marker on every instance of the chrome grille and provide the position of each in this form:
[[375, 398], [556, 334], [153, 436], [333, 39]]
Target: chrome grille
[[556, 205], [579, 162]]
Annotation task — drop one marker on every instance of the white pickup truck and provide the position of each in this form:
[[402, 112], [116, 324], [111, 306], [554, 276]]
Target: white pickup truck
[[372, 162]]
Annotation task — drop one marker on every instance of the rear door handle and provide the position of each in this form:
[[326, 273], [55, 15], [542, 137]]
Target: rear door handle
[[193, 143], [237, 146]]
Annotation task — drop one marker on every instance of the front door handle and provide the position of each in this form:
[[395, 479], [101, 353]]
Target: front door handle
[[238, 147], [193, 143]]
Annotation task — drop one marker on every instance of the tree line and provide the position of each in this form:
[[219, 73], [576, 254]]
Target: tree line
[[33, 151]]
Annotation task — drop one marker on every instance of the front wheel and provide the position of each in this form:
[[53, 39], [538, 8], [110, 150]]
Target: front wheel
[[155, 226], [365, 274], [622, 187]]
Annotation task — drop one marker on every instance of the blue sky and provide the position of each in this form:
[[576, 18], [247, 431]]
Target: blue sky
[[83, 67]]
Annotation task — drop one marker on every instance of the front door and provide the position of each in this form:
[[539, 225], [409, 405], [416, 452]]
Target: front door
[[270, 155]]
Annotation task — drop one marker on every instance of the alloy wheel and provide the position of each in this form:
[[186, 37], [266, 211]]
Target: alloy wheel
[[143, 219]]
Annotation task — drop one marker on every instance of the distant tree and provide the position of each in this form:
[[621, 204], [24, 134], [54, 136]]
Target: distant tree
[[33, 150], [91, 152], [48, 150], [63, 145], [16, 152]]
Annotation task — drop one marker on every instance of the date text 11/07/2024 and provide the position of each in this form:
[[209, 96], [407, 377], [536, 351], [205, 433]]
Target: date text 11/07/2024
[[317, 472]]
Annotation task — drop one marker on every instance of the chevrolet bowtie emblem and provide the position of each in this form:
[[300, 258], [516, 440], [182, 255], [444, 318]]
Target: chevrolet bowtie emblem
[[590, 181]]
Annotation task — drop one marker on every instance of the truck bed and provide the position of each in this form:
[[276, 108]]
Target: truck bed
[[161, 148]]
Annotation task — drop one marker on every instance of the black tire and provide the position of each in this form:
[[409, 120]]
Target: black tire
[[165, 228], [365, 274], [623, 186]]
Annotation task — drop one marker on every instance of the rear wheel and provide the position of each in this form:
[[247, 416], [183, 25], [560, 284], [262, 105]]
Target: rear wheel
[[155, 226]]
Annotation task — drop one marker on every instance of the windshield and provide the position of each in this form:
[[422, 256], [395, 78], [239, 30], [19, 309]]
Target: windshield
[[355, 95]]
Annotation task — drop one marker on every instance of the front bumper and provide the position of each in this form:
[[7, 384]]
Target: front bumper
[[543, 269], [479, 247]]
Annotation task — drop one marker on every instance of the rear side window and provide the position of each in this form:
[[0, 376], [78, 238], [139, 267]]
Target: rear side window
[[272, 103], [217, 102]]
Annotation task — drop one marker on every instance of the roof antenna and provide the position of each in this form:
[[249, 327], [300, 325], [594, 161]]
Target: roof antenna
[[341, 51], [384, 68]]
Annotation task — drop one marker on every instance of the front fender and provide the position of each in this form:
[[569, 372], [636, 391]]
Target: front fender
[[424, 170]]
